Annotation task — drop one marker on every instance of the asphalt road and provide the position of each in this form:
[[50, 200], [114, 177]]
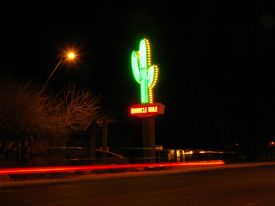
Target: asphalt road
[[238, 186]]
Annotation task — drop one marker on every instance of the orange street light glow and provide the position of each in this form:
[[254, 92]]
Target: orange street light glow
[[71, 55]]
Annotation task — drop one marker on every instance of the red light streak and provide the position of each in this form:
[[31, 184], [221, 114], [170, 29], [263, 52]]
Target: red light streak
[[35, 170]]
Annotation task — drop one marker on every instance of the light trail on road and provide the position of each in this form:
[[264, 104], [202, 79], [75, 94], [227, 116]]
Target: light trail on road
[[34, 170]]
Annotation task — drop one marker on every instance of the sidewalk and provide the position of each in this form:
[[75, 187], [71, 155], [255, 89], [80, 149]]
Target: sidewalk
[[164, 171]]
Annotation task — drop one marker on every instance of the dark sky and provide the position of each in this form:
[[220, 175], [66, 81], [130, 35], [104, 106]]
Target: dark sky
[[216, 63]]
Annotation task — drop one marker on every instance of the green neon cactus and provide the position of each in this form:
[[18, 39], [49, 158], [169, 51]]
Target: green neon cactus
[[145, 73]]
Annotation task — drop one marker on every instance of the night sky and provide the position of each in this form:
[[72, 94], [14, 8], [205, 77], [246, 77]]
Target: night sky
[[216, 63]]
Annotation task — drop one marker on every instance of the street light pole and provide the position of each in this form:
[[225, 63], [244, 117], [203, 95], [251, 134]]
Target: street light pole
[[70, 56], [52, 72]]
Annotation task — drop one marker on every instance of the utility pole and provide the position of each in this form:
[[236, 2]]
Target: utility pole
[[104, 139], [149, 147], [92, 131]]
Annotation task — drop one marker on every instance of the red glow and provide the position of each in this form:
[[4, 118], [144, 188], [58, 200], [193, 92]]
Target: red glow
[[147, 110], [152, 109], [34, 170]]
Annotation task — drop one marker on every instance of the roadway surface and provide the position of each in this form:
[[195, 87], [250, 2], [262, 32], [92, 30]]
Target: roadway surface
[[231, 186]]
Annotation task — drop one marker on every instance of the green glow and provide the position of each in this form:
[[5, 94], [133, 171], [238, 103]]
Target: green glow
[[151, 72], [135, 66], [144, 86], [142, 74], [143, 55]]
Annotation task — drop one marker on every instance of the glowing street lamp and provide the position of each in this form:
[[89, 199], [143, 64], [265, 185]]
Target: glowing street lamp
[[69, 56]]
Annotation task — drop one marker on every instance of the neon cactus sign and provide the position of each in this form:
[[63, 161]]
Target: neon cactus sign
[[145, 73]]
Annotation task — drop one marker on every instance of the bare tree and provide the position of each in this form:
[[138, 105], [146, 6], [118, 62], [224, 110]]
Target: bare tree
[[81, 108], [25, 109], [28, 112]]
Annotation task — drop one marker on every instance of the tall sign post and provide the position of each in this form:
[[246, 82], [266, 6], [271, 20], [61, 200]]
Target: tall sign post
[[146, 75]]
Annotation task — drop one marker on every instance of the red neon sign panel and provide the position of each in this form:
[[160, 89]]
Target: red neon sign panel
[[147, 109]]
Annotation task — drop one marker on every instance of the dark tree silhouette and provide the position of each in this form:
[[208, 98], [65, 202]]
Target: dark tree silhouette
[[29, 114]]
